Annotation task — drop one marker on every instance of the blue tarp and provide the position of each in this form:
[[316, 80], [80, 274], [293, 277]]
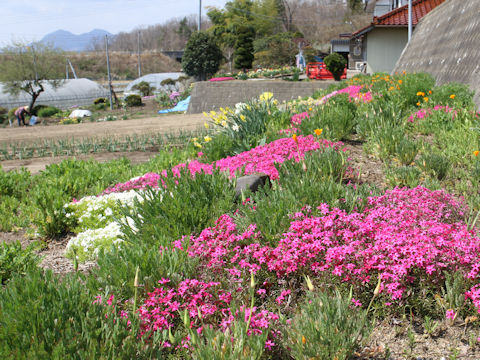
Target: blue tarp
[[181, 106]]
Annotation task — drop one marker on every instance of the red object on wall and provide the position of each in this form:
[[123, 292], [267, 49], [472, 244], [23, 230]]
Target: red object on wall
[[318, 70]]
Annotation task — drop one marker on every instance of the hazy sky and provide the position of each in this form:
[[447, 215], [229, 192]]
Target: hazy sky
[[30, 20]]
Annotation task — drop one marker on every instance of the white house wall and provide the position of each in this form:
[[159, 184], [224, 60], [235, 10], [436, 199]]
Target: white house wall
[[384, 47]]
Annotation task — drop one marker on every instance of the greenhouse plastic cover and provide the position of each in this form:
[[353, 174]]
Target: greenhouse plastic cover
[[71, 93], [154, 80]]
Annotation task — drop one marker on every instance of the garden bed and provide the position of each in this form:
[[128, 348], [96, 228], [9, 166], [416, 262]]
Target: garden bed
[[363, 244]]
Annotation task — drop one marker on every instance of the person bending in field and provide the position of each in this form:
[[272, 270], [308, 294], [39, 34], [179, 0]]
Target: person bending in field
[[20, 115]]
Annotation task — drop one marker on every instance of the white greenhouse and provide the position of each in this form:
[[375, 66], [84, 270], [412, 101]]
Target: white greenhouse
[[72, 93]]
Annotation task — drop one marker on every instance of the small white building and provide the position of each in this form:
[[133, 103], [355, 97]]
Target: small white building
[[380, 44]]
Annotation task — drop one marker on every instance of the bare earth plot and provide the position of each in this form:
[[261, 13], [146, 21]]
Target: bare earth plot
[[160, 124]]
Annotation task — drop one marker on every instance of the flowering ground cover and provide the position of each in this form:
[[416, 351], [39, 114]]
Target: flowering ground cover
[[306, 267]]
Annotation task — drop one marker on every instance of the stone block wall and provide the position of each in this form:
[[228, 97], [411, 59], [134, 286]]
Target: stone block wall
[[207, 96]]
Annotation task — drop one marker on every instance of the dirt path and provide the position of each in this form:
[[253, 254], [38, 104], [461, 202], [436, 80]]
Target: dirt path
[[159, 124]]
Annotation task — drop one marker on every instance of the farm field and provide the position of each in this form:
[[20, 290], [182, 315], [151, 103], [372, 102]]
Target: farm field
[[362, 244]]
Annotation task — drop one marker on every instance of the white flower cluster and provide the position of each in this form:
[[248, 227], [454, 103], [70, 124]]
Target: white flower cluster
[[93, 210], [86, 245]]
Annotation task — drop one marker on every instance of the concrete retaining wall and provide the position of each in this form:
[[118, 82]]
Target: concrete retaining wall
[[207, 95], [446, 44]]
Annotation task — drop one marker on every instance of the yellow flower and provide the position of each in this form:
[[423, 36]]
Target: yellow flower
[[318, 132], [197, 144], [420, 93], [242, 117], [206, 125], [213, 113], [266, 96], [207, 138], [400, 82], [224, 123], [194, 139], [391, 88], [425, 99], [294, 137], [205, 114], [476, 152], [452, 96], [430, 92], [304, 341], [418, 103], [310, 109]]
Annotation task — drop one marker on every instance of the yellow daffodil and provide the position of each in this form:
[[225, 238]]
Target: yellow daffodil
[[197, 144], [243, 118], [266, 96], [206, 125], [207, 138]]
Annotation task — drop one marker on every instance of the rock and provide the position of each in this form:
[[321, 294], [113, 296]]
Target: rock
[[252, 182]]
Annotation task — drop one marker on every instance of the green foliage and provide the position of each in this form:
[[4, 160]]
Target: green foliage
[[335, 63], [144, 88], [168, 82], [183, 208], [297, 189], [407, 150], [434, 164], [232, 344], [461, 93], [275, 50], [15, 260], [41, 313], [48, 111], [402, 176], [243, 56], [326, 327], [133, 100], [202, 56], [336, 117]]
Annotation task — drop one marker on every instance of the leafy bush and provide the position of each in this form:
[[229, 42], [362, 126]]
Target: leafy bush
[[133, 100], [37, 108], [48, 111], [101, 100], [202, 56], [168, 82], [144, 88], [335, 63], [15, 260], [326, 327]]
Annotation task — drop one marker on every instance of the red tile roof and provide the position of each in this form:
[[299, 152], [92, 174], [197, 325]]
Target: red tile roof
[[399, 16]]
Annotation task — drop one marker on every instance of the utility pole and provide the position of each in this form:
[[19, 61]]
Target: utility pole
[[109, 76], [409, 20], [200, 15], [139, 63], [66, 70]]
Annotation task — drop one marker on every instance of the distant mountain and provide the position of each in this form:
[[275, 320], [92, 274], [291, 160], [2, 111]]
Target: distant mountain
[[67, 41]]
